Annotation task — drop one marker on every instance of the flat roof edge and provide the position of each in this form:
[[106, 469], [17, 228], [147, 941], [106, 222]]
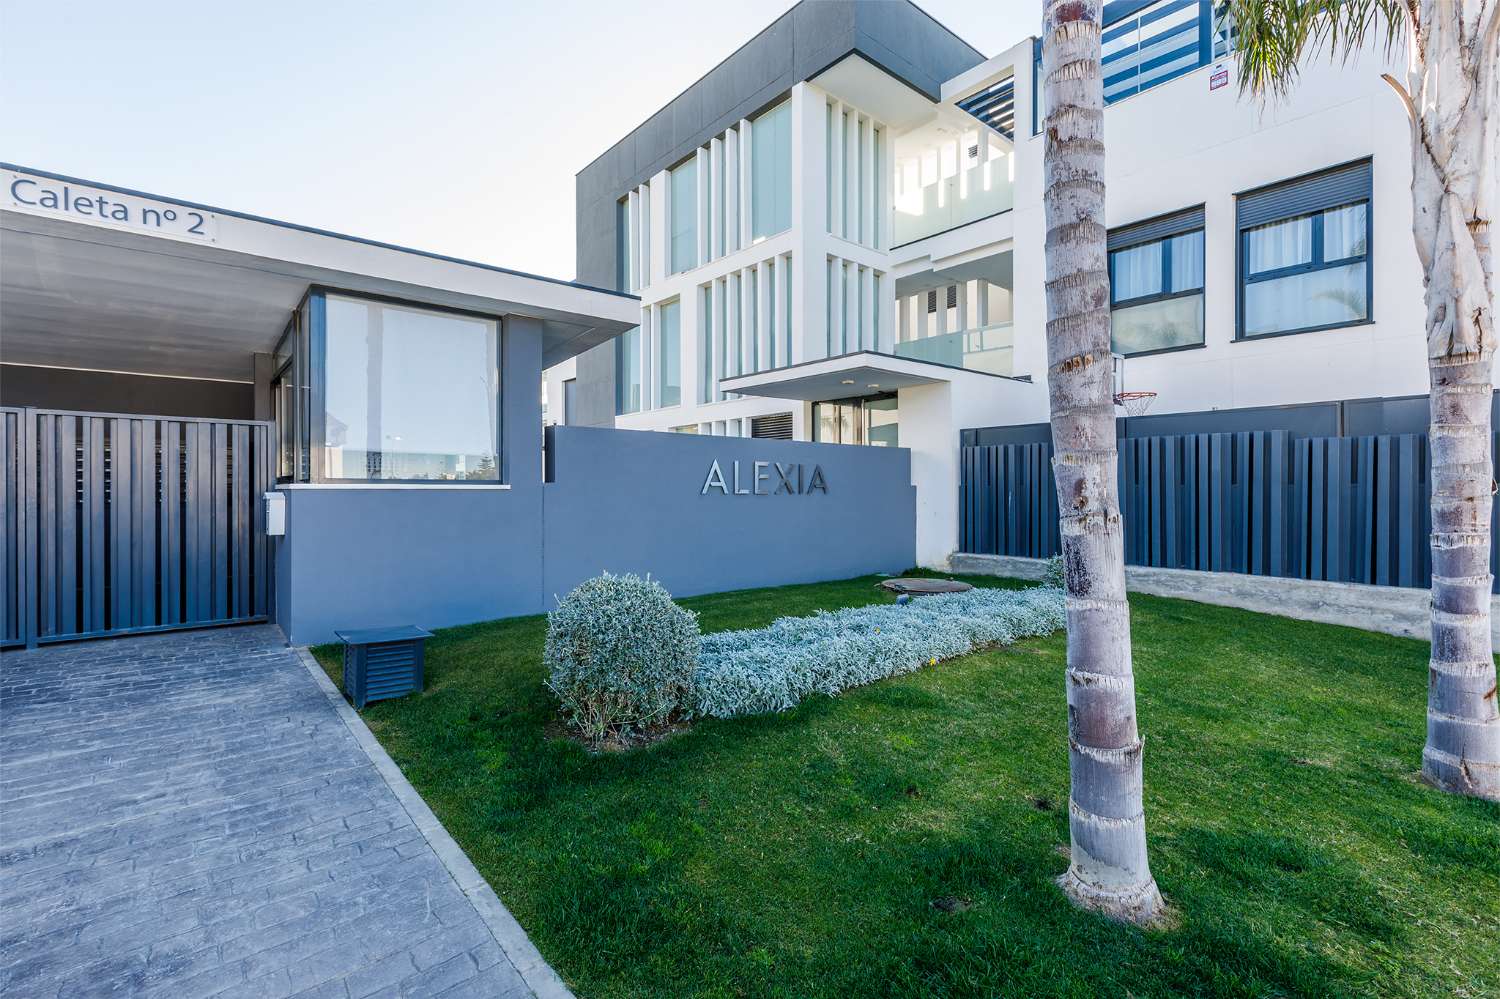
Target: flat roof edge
[[312, 230]]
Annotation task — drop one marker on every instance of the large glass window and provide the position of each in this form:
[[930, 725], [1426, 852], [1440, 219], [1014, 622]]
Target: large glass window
[[771, 172], [1307, 272], [1304, 253], [409, 393], [669, 355], [628, 371], [684, 212], [1156, 289]]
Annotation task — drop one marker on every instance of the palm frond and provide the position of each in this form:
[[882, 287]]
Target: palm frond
[[1274, 37]]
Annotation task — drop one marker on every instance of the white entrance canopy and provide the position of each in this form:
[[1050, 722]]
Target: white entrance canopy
[[99, 277], [848, 375]]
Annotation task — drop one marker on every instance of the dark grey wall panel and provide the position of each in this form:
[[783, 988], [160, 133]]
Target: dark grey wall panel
[[108, 392], [622, 500], [372, 558], [594, 397], [1348, 509], [631, 501]]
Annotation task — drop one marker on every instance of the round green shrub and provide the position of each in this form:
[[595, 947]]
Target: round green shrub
[[621, 656]]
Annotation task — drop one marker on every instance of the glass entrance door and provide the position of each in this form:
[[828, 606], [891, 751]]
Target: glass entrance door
[[869, 420]]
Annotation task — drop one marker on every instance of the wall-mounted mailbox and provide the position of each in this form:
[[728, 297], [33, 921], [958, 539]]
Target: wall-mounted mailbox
[[275, 514], [382, 662]]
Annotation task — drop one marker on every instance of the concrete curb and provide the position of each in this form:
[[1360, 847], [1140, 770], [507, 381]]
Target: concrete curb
[[1394, 610], [534, 970]]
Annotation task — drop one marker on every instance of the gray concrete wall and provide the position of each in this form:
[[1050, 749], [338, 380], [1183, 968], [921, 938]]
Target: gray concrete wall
[[632, 501], [111, 392], [364, 558], [594, 398], [1394, 610]]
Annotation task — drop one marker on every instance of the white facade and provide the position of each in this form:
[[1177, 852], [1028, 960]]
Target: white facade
[[916, 231]]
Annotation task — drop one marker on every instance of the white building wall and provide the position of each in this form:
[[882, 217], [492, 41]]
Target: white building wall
[[1182, 144], [742, 284], [553, 393]]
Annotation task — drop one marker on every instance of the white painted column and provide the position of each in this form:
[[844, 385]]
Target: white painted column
[[836, 154], [731, 190], [746, 138], [885, 332], [867, 184], [963, 305], [869, 331], [658, 246], [852, 299], [763, 306], [748, 292], [982, 302], [851, 176], [810, 207], [903, 319], [648, 355], [710, 347], [942, 312], [781, 267], [689, 367], [716, 198], [701, 203], [633, 239]]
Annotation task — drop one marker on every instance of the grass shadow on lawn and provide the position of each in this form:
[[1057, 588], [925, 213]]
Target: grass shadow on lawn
[[800, 854]]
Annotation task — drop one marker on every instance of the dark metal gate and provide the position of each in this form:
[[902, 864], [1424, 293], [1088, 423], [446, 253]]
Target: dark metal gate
[[116, 524]]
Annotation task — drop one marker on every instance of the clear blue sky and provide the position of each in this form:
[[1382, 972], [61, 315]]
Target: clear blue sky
[[448, 125]]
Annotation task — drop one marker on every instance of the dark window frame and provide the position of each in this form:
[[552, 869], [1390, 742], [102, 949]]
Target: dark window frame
[[1148, 237], [1244, 278]]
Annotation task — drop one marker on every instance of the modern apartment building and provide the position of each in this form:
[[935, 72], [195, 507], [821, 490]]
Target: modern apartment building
[[837, 235]]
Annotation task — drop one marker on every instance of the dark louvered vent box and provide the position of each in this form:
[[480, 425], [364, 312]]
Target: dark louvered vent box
[[382, 662]]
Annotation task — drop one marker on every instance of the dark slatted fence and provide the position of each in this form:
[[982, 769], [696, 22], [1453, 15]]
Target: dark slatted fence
[[1350, 509], [122, 524]]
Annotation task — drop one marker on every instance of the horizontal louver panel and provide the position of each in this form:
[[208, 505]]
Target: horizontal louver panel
[[1329, 189], [995, 106], [1160, 227], [777, 426]]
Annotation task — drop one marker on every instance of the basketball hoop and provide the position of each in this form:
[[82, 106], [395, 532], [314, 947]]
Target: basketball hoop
[[1135, 403]]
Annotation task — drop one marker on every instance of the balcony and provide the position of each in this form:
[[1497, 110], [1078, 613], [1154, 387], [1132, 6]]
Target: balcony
[[987, 349], [949, 173]]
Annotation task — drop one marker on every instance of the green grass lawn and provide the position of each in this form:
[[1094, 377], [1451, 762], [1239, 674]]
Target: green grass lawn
[[800, 854]]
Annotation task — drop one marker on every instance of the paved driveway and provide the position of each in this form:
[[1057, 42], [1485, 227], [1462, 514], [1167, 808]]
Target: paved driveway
[[188, 815]]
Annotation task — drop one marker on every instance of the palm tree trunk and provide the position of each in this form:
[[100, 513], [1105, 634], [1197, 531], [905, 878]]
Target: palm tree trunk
[[1455, 141], [1108, 871]]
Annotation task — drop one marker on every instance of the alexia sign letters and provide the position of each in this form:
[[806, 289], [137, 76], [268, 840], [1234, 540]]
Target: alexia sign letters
[[766, 478]]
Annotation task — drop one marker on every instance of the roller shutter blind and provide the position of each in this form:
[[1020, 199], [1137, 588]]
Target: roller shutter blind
[[1328, 189], [1161, 227]]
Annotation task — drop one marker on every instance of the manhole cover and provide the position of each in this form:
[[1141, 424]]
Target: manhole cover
[[918, 585]]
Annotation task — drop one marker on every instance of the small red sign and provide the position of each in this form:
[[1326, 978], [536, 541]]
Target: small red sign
[[1218, 78]]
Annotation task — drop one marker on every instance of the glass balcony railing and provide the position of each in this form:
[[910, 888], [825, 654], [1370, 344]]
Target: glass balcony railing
[[980, 191], [988, 349]]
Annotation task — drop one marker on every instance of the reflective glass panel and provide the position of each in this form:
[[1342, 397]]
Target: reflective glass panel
[[410, 393]]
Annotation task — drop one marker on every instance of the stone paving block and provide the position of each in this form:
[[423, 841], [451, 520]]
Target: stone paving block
[[188, 815]]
